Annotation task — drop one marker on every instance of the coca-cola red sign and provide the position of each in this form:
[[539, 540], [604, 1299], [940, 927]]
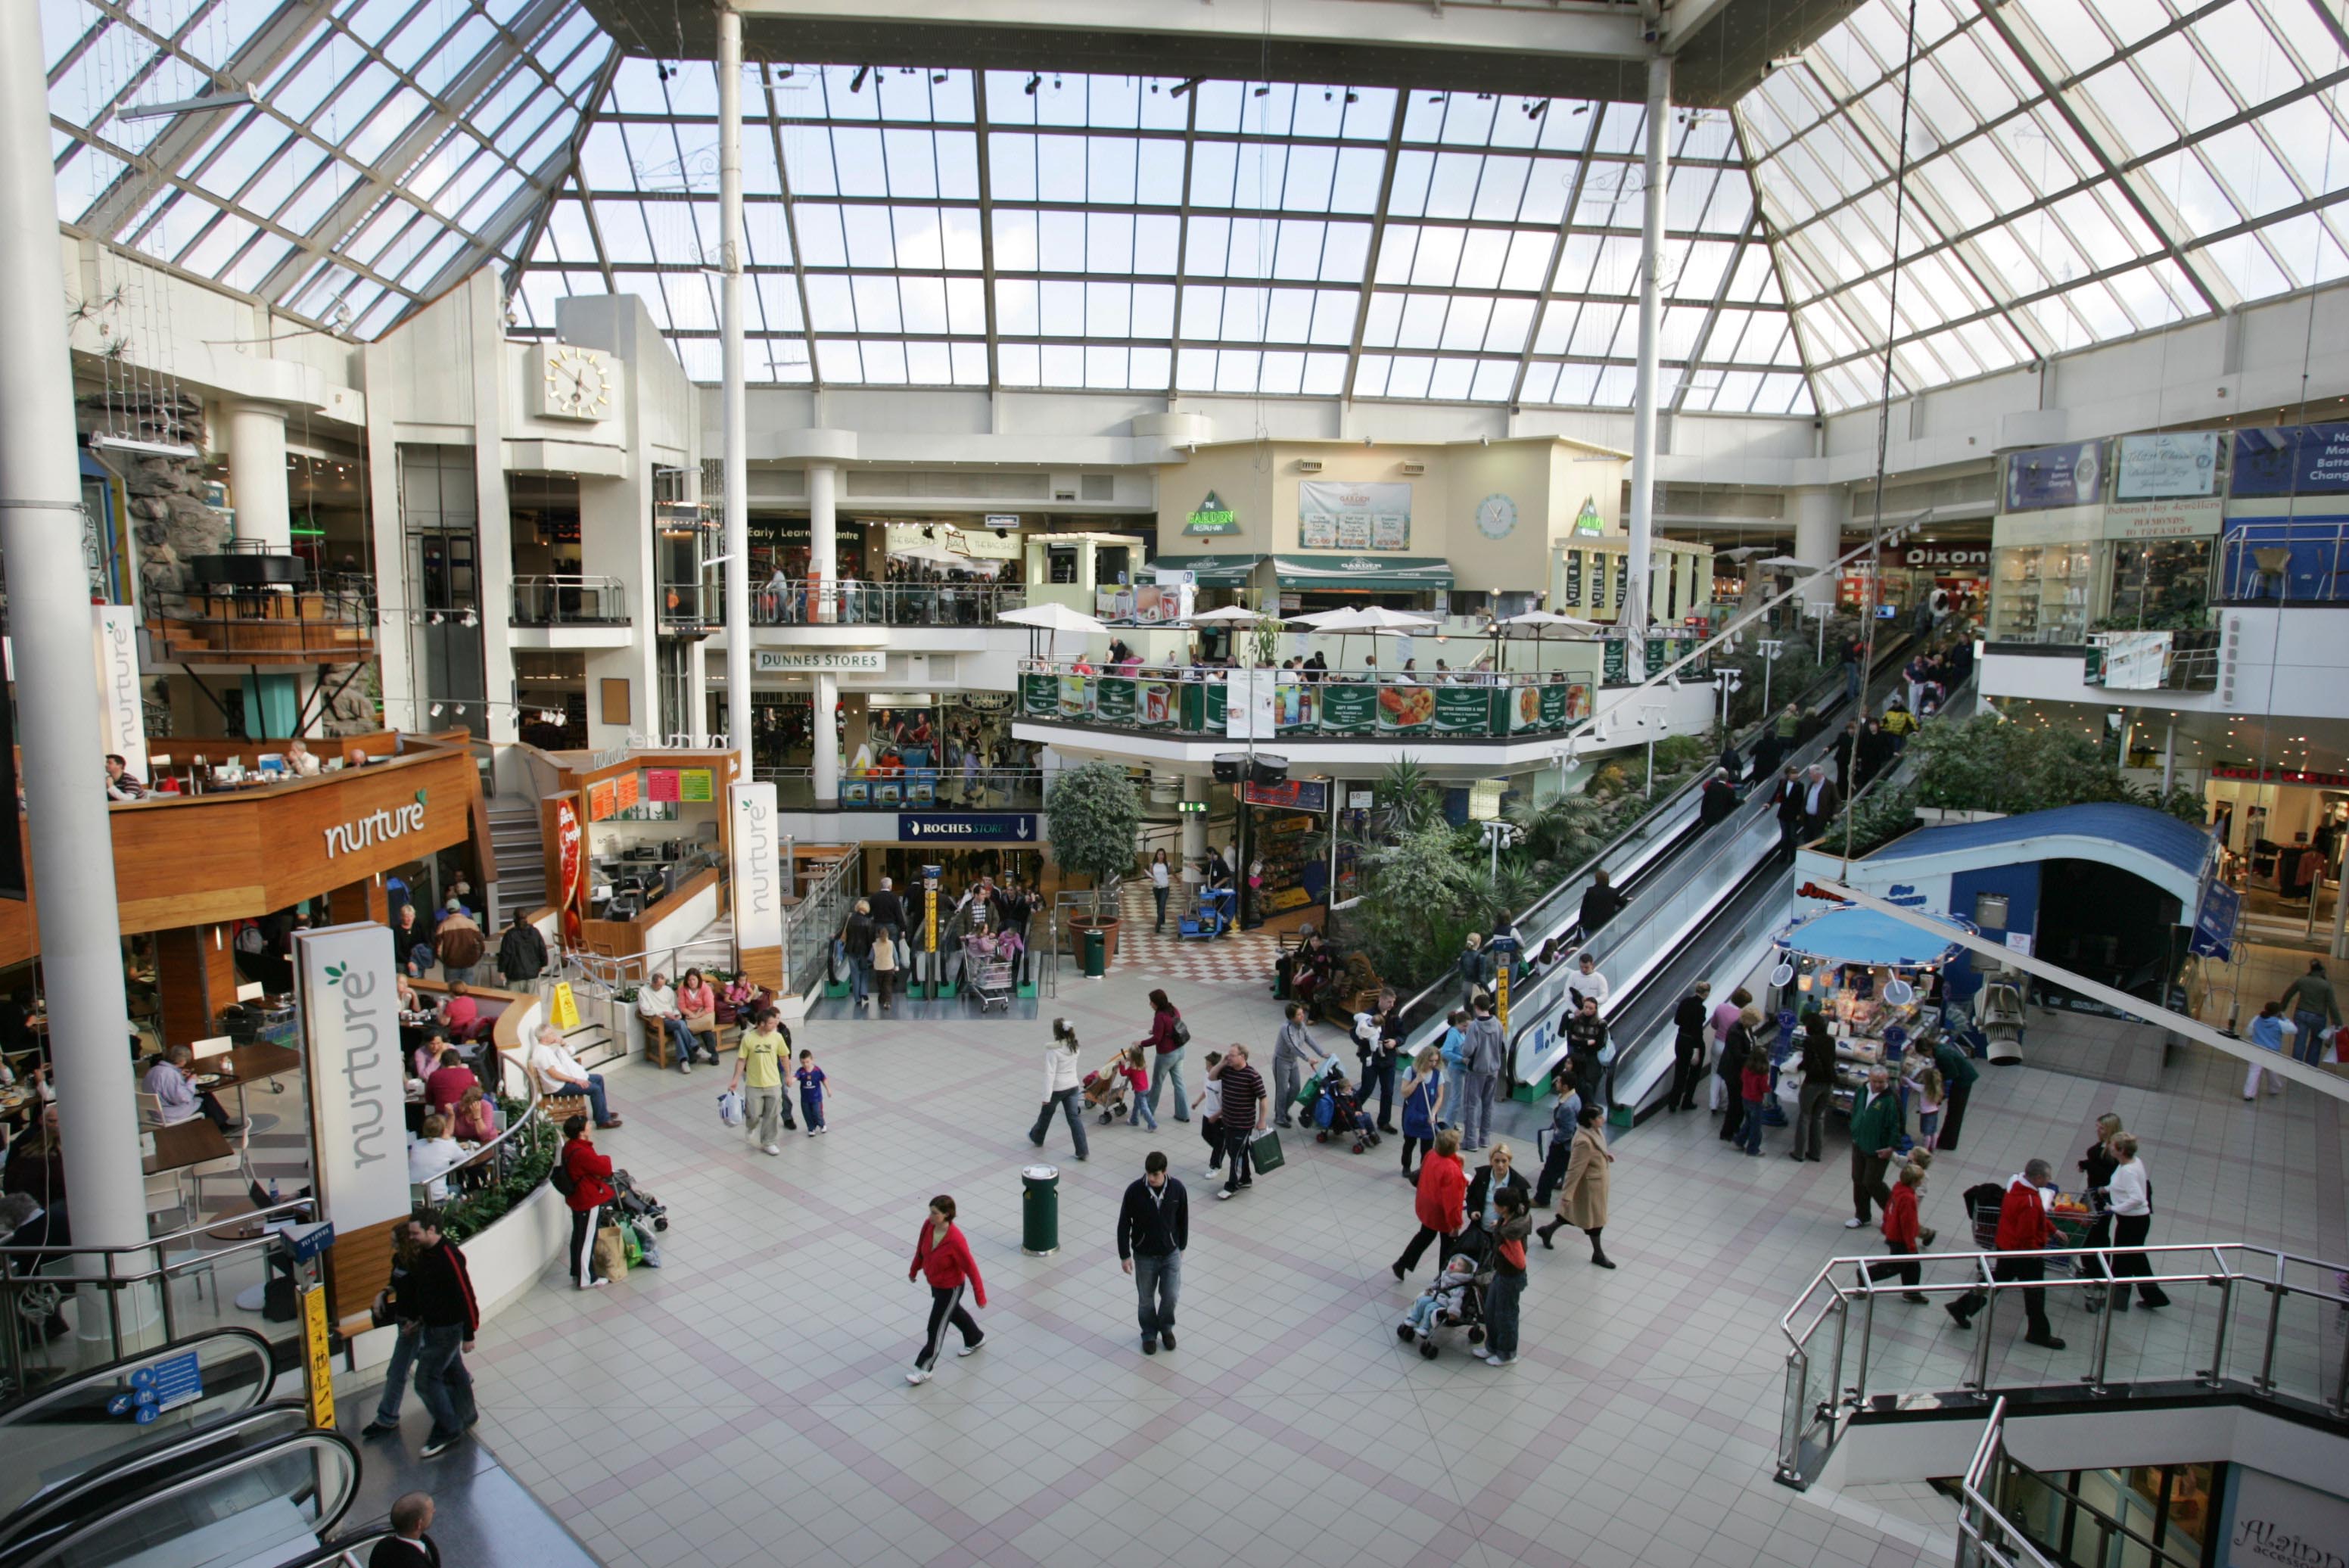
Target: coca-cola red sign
[[569, 844]]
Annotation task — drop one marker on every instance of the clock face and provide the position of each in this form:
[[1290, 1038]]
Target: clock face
[[577, 383], [1496, 517]]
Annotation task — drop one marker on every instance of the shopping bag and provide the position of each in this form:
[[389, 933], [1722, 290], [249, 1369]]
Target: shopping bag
[[633, 1249], [729, 1108], [647, 1252], [1264, 1150], [611, 1252], [2341, 1044]]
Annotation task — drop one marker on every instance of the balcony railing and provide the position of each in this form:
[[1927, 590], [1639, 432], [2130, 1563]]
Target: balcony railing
[[2285, 561], [854, 603], [267, 626], [1341, 703], [560, 600], [915, 788]]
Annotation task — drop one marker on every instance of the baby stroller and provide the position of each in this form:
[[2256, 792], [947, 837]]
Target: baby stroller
[[1457, 1300], [1105, 1089], [1338, 1114], [636, 1203]]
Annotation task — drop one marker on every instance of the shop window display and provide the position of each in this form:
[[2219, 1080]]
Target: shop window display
[[2041, 594], [2160, 585]]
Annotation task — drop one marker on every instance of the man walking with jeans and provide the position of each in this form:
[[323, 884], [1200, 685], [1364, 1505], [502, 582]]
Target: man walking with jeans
[[1243, 1105], [1153, 1228], [439, 1290]]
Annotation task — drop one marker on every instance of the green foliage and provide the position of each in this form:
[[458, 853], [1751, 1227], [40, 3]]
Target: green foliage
[[1095, 812], [2181, 802], [525, 1169], [1263, 644], [1420, 900], [1796, 669], [1988, 763]]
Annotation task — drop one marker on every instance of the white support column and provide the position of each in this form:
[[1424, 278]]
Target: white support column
[[735, 416], [1642, 526], [257, 475], [2169, 756], [823, 542], [823, 736], [56, 678], [1819, 535]]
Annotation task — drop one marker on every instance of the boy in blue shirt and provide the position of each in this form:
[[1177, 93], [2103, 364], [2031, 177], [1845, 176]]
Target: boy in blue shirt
[[811, 1081]]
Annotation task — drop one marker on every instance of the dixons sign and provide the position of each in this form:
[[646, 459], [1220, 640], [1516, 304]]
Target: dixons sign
[[380, 826]]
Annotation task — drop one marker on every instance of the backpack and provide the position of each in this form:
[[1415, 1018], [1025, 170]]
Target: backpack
[[560, 1177]]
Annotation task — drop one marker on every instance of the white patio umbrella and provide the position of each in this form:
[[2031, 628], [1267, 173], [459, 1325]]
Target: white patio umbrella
[[1783, 563], [1054, 618], [1229, 615], [1368, 620], [1542, 622]]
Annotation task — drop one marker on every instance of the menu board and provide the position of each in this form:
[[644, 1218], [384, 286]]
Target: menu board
[[1465, 710], [697, 785], [1333, 516], [1040, 694], [626, 790], [599, 801], [660, 784], [1348, 709]]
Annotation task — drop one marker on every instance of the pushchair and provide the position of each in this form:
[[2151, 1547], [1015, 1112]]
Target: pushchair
[[1338, 1114], [635, 1202], [1457, 1304], [1106, 1088]]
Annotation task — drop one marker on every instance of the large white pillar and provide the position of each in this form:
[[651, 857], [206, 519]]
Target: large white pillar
[[823, 541], [56, 675], [737, 425], [257, 475], [1819, 539], [1642, 525], [823, 736]]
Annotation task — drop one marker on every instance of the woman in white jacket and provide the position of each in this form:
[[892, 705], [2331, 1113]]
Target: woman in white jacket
[[1062, 1088], [2132, 1199]]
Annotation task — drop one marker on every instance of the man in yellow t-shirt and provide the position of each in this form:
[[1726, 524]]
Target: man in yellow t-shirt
[[759, 1067]]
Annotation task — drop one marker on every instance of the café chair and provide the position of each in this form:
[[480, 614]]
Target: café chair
[[150, 1109], [166, 1195]]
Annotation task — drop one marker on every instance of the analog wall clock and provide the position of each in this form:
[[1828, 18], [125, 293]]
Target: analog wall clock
[[1496, 517], [576, 383]]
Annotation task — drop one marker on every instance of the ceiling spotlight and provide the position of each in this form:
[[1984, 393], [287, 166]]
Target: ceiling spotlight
[[856, 82], [470, 620], [436, 617], [787, 73], [1328, 94], [436, 710], [1536, 108], [460, 710], [1033, 81], [1353, 97], [1185, 87], [1261, 91], [937, 78]]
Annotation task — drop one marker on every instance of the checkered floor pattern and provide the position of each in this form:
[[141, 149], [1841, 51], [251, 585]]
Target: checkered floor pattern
[[1242, 957]]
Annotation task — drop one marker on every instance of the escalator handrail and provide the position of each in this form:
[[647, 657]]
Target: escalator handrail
[[1628, 922], [1416, 1013], [349, 1551], [35, 1513], [48, 1551], [17, 1412]]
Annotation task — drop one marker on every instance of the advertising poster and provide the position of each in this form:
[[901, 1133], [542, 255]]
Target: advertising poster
[[1248, 709], [1611, 662], [1293, 707], [2271, 1522], [1113, 699], [697, 785], [1290, 794], [2069, 475], [571, 864], [755, 885], [1543, 707], [1468, 710], [2306, 460], [1347, 709], [1333, 516], [122, 714], [1076, 695], [1578, 702], [1154, 704], [1218, 704], [2167, 466], [1040, 694], [1407, 710]]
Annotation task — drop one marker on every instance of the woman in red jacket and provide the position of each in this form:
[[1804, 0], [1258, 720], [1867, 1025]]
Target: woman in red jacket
[[1901, 1234], [584, 1171], [943, 1257], [1442, 1202]]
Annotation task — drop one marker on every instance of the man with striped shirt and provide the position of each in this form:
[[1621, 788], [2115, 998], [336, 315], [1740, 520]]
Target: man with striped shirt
[[1244, 1107]]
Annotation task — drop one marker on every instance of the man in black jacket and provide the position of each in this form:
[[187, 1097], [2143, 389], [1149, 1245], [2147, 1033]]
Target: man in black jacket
[[522, 953], [1688, 1047], [1586, 1040], [1154, 1226], [1818, 1086], [1600, 905], [440, 1291], [1788, 804], [888, 910]]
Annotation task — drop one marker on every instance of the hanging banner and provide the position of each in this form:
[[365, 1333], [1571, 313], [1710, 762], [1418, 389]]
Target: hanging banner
[[1466, 710], [121, 718], [1331, 516], [1573, 581], [2167, 466], [1622, 579], [1348, 709], [350, 1036], [1248, 704], [755, 884], [2068, 475], [1612, 664], [570, 863]]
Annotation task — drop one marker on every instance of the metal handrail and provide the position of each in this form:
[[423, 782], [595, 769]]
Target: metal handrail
[[504, 1144], [797, 601], [538, 600], [2218, 1265], [62, 1546], [1978, 1513]]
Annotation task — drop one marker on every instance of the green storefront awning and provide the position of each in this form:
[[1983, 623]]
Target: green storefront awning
[[1364, 571], [1213, 571]]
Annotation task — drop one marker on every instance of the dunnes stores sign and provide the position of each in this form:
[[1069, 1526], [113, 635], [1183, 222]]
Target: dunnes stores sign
[[869, 661], [1212, 517], [380, 826]]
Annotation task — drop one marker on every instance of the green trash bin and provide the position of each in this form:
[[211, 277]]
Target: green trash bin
[[1096, 949], [1040, 1210]]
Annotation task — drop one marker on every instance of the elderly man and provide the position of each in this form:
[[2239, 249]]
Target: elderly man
[[1820, 800], [657, 1005], [559, 1073], [1874, 1134], [171, 1081], [2022, 1227]]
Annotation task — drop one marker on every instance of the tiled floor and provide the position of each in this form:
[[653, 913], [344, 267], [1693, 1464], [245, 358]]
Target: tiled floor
[[746, 1402]]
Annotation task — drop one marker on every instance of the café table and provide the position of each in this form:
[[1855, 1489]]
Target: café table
[[182, 1144], [242, 1065]]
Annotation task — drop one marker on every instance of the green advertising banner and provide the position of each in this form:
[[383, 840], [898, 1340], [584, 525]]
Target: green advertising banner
[[1113, 699], [1192, 707], [1657, 653], [1348, 709], [1154, 704], [1405, 709], [1464, 710], [1612, 660], [1076, 695], [1039, 695], [1535, 707], [1219, 705]]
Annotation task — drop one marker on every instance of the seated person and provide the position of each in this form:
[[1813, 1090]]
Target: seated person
[[121, 784], [460, 1013], [657, 1005], [298, 761], [171, 1081], [448, 1081], [698, 1000], [432, 1157], [428, 1051], [474, 1117], [558, 1072]]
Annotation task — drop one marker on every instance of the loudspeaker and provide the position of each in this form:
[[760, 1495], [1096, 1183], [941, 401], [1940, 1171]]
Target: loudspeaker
[[1229, 766], [1270, 771]]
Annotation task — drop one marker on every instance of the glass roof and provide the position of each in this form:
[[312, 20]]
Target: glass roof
[[2076, 175]]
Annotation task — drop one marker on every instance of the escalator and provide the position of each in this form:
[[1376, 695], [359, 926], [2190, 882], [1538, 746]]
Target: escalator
[[175, 1458], [1655, 854]]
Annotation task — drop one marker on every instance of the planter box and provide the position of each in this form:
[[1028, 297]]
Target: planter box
[[506, 1262], [1080, 923]]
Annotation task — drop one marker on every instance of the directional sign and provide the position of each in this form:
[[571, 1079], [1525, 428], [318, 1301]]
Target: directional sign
[[2215, 922], [967, 827]]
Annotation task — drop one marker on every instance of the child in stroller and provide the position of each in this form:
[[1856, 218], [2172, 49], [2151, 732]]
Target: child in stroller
[[1106, 1088], [1454, 1298], [1338, 1114]]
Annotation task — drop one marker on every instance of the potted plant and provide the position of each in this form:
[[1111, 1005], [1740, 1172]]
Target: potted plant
[[1094, 812], [627, 1027]]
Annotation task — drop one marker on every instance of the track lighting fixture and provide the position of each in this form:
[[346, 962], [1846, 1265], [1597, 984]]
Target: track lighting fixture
[[1033, 82], [1536, 108], [1186, 87], [1353, 97], [937, 78], [436, 710], [856, 82]]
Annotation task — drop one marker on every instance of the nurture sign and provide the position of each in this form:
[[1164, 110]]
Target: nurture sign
[[350, 1026], [377, 827]]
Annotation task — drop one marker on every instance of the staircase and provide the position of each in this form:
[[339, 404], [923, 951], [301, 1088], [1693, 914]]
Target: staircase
[[519, 851]]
